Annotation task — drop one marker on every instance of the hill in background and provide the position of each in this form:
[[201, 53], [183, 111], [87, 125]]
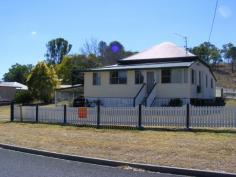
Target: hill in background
[[225, 77]]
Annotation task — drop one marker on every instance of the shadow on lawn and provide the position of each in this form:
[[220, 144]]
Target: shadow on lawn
[[128, 128]]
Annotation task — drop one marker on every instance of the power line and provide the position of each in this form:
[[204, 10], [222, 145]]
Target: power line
[[213, 21]]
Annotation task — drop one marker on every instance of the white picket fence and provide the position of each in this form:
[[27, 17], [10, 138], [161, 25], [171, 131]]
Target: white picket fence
[[199, 117]]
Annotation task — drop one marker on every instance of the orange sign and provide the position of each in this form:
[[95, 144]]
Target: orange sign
[[82, 112]]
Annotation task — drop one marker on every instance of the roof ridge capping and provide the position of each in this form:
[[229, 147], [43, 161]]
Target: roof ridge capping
[[161, 51]]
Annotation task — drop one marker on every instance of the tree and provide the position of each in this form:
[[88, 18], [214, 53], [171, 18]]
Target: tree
[[18, 73], [42, 81], [90, 48], [102, 47], [56, 49], [229, 53], [69, 70], [207, 52]]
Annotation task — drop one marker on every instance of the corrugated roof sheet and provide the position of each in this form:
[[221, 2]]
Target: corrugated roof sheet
[[144, 66], [13, 84], [161, 51]]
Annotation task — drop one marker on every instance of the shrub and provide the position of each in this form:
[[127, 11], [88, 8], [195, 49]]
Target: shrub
[[175, 102], [23, 97]]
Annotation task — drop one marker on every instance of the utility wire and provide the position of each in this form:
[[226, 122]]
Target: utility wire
[[213, 21]]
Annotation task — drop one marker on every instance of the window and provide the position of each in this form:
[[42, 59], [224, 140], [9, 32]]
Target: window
[[138, 77], [97, 78], [185, 75], [176, 76], [193, 76], [211, 83], [199, 78], [165, 76], [206, 81], [118, 77]]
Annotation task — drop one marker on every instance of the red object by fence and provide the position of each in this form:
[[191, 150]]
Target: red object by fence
[[82, 112]]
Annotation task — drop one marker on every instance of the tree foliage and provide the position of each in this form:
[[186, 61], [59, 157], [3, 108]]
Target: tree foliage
[[56, 49], [207, 52], [69, 70], [42, 81], [229, 53], [18, 73]]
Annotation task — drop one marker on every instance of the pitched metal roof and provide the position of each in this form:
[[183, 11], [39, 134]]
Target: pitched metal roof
[[16, 85], [143, 66], [161, 51]]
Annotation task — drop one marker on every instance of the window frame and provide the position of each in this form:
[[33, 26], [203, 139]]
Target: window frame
[[115, 77], [96, 78], [193, 77], [166, 76], [138, 75]]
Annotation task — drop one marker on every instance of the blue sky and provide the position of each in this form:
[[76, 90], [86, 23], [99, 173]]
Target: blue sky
[[26, 26]]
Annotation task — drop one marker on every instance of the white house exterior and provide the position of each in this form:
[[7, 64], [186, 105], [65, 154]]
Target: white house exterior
[[161, 73]]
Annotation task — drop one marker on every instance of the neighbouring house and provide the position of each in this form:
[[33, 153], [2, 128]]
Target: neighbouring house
[[153, 77], [66, 94], [9, 89]]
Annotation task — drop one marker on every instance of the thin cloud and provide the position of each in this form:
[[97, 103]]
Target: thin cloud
[[224, 11], [34, 33]]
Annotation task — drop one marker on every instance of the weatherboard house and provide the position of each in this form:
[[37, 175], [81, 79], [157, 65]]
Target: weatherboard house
[[152, 78]]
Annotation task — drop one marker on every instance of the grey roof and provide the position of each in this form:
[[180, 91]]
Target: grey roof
[[143, 66], [16, 85], [161, 51]]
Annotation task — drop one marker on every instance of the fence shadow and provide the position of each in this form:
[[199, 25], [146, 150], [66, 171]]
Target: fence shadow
[[133, 128]]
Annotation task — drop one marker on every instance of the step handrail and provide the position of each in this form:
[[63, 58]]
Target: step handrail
[[150, 92], [134, 104]]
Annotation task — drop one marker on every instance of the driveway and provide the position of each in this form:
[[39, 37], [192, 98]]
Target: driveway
[[18, 164]]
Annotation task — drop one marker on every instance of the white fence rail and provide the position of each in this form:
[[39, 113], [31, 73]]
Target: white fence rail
[[119, 116], [213, 117], [164, 116], [198, 117]]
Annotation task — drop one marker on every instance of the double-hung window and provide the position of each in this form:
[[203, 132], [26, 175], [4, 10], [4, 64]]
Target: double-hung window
[[139, 77], [96, 78], [166, 76], [118, 77], [193, 75]]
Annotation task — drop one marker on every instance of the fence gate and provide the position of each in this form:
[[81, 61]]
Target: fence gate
[[5, 112]]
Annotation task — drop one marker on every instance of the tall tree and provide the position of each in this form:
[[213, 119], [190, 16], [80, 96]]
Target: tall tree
[[90, 47], [18, 73], [207, 52], [229, 53], [69, 70], [42, 81], [102, 47], [56, 49]]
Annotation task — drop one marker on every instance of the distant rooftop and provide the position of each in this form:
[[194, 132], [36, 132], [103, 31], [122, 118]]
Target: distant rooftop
[[16, 85], [161, 51]]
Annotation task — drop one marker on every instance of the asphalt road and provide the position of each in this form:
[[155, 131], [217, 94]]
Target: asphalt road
[[18, 164]]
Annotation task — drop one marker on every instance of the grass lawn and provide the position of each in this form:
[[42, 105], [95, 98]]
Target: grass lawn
[[199, 150], [230, 102], [4, 113]]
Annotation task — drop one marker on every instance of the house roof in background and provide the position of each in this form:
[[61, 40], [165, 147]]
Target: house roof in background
[[144, 66], [161, 51], [16, 85], [66, 87]]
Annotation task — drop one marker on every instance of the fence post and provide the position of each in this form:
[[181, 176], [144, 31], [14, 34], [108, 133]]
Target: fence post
[[187, 116], [98, 113], [140, 116], [37, 113], [65, 118], [12, 111]]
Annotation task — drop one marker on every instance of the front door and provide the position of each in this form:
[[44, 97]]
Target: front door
[[150, 81]]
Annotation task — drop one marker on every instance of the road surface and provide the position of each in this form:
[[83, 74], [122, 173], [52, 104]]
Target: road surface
[[18, 164]]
